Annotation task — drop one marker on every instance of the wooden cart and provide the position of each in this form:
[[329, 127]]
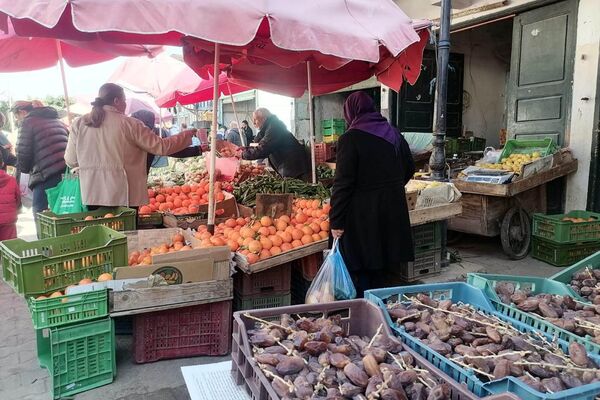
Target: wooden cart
[[491, 210]]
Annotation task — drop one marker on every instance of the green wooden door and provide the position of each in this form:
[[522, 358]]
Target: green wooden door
[[540, 86]]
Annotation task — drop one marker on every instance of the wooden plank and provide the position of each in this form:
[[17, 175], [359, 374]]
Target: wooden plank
[[284, 258], [137, 301], [273, 205], [432, 214], [511, 189]]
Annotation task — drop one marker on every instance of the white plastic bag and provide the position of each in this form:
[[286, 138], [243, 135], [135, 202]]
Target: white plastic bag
[[333, 280]]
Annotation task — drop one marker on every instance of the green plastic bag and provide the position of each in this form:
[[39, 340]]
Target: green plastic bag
[[65, 198]]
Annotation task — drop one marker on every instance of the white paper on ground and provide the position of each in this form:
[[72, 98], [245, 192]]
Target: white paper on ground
[[212, 381]]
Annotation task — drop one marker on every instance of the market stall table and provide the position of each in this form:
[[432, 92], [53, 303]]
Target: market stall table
[[504, 209]]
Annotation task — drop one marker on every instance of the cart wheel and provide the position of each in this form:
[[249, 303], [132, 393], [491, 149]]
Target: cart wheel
[[516, 233]]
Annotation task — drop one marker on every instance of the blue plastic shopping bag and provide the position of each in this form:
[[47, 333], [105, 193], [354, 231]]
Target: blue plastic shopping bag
[[333, 280]]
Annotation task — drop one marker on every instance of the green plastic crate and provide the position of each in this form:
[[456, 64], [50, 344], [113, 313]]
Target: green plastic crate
[[336, 130], [65, 310], [427, 236], [48, 265], [552, 227], [487, 283], [451, 147], [154, 219], [561, 255], [564, 276], [256, 302], [477, 143], [79, 357], [51, 225], [545, 147], [333, 123]]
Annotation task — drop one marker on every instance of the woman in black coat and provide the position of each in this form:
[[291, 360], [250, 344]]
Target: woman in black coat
[[368, 203]]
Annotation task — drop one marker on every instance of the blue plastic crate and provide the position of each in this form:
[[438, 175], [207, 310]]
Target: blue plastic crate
[[462, 292], [487, 283]]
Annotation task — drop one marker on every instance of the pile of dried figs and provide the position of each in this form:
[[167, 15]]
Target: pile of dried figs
[[313, 358], [563, 311], [491, 347], [586, 283]]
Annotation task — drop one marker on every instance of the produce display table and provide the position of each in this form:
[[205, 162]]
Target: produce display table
[[495, 209]]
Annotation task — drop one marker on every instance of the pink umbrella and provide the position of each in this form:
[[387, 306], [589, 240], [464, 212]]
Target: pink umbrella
[[353, 38], [188, 88], [145, 75], [19, 53]]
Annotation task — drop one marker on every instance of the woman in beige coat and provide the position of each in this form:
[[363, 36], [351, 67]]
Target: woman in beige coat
[[110, 150]]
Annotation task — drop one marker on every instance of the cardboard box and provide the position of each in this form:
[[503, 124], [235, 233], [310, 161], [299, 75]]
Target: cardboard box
[[197, 265]]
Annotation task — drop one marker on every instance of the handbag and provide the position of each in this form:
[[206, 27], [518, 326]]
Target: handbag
[[65, 198]]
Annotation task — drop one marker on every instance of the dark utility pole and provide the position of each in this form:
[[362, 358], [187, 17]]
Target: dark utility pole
[[437, 162]]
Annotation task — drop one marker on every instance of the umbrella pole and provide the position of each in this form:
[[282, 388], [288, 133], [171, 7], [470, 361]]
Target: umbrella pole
[[242, 137], [213, 144], [312, 124], [64, 79]]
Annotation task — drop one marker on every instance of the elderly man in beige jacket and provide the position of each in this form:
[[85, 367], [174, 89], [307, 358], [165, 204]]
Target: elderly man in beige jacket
[[110, 150]]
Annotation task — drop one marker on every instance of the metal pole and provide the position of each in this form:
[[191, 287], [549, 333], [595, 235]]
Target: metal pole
[[437, 162], [213, 144], [242, 137], [312, 124], [64, 79]]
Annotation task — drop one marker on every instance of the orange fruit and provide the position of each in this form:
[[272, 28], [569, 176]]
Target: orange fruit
[[296, 244], [264, 231], [178, 237], [284, 218], [272, 230], [297, 234], [88, 218], [264, 254], [324, 226], [247, 232], [301, 218], [256, 226], [160, 198], [41, 297], [286, 237], [316, 228], [280, 225], [307, 239], [266, 243], [85, 281], [185, 248], [286, 247], [145, 210], [324, 234], [307, 230], [240, 221], [56, 294], [275, 251], [177, 246], [231, 223], [105, 277], [266, 221], [218, 241], [255, 246], [316, 204], [252, 258], [186, 189], [233, 245], [316, 237], [276, 240]]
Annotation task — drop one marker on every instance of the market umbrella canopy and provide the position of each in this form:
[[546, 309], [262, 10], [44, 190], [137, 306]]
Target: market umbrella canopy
[[148, 75], [19, 53], [189, 88]]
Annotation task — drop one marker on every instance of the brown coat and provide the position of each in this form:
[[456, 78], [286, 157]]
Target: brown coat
[[112, 159]]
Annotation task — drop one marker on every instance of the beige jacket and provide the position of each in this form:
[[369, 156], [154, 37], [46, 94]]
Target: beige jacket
[[112, 159]]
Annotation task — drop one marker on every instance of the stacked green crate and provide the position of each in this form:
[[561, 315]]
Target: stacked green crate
[[564, 239], [427, 241], [332, 129]]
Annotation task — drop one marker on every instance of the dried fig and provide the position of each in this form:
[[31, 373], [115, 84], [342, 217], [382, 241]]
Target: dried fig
[[290, 365], [370, 365], [339, 360], [349, 390], [493, 334], [502, 369], [342, 348], [439, 392], [408, 377], [374, 384], [569, 380], [315, 348], [423, 298], [518, 297], [262, 340], [531, 381], [281, 388], [578, 354], [442, 348], [325, 359], [528, 305], [393, 394], [553, 385], [302, 388], [546, 310], [269, 359], [445, 304], [356, 375], [299, 339]]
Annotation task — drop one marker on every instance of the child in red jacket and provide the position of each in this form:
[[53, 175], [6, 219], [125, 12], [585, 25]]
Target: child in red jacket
[[10, 203]]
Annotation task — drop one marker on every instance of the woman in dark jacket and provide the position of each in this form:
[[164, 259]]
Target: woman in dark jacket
[[40, 148], [368, 203], [147, 117]]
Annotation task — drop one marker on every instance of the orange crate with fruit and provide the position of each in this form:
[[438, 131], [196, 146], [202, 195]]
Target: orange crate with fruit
[[49, 265]]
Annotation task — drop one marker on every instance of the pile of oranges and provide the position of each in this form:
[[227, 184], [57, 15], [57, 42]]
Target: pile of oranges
[[86, 281], [179, 200], [144, 257], [260, 239]]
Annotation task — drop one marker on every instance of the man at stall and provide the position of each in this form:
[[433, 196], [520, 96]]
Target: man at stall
[[286, 155]]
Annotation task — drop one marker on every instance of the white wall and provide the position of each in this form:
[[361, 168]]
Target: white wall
[[282, 106], [579, 133], [487, 62]]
